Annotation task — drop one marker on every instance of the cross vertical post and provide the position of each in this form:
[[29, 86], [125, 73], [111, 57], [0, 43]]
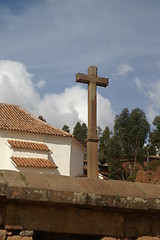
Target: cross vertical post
[[92, 140]]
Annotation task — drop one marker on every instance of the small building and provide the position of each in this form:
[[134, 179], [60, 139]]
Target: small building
[[152, 158], [28, 143], [102, 170]]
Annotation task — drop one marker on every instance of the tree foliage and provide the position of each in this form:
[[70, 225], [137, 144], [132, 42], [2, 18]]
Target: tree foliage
[[139, 130], [110, 152], [131, 130], [126, 142], [66, 128], [104, 145], [42, 118], [80, 132], [155, 135], [122, 132]]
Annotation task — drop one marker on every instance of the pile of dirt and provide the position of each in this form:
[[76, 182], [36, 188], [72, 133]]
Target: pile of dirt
[[149, 176]]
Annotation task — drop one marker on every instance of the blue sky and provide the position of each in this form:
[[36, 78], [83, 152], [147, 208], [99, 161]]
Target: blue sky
[[44, 43]]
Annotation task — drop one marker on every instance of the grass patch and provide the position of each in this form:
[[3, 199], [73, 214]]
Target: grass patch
[[117, 198], [23, 178]]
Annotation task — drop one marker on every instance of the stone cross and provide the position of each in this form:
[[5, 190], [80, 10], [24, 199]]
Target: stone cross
[[92, 140]]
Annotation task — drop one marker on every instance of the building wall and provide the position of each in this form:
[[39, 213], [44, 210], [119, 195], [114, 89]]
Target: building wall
[[5, 155], [39, 170], [77, 159], [62, 151], [29, 153]]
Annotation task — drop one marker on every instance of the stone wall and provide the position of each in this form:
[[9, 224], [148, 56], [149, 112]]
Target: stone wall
[[30, 235], [16, 235], [76, 208]]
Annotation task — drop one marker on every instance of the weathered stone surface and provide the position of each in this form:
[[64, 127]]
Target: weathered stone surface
[[143, 225], [65, 219], [27, 233], [2, 234], [148, 238], [130, 229], [9, 232], [156, 226], [140, 238], [19, 238], [110, 238], [92, 140], [58, 204], [2, 185], [60, 189]]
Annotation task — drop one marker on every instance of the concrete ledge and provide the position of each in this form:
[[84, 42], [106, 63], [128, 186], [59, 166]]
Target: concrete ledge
[[59, 204], [79, 191]]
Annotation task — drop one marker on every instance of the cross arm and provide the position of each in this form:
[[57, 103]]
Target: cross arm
[[100, 81]]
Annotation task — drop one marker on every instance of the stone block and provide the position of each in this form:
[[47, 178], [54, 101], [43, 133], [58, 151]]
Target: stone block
[[26, 233], [2, 234], [17, 237]]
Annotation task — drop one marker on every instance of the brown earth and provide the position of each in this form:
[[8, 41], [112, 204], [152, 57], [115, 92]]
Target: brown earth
[[148, 176]]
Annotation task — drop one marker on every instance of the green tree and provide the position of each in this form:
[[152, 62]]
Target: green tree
[[66, 128], [152, 150], [122, 132], [114, 157], [42, 118], [80, 132], [99, 132], [155, 134], [110, 152], [139, 130], [131, 130], [104, 145]]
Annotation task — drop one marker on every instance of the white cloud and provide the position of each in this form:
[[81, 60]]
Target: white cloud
[[124, 69], [151, 91], [68, 107], [105, 112], [151, 113], [138, 83], [41, 84], [16, 84]]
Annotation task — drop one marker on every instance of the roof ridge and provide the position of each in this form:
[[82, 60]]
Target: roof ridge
[[16, 118], [10, 104], [37, 119]]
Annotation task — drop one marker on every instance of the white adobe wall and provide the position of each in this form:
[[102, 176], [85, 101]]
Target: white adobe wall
[[5, 155], [29, 153], [77, 159], [61, 154], [63, 150], [39, 170]]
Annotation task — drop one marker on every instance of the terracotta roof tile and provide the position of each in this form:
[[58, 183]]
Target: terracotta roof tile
[[33, 162], [13, 117], [28, 145]]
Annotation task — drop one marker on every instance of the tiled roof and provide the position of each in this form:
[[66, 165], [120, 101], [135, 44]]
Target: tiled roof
[[28, 145], [13, 117], [33, 162]]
